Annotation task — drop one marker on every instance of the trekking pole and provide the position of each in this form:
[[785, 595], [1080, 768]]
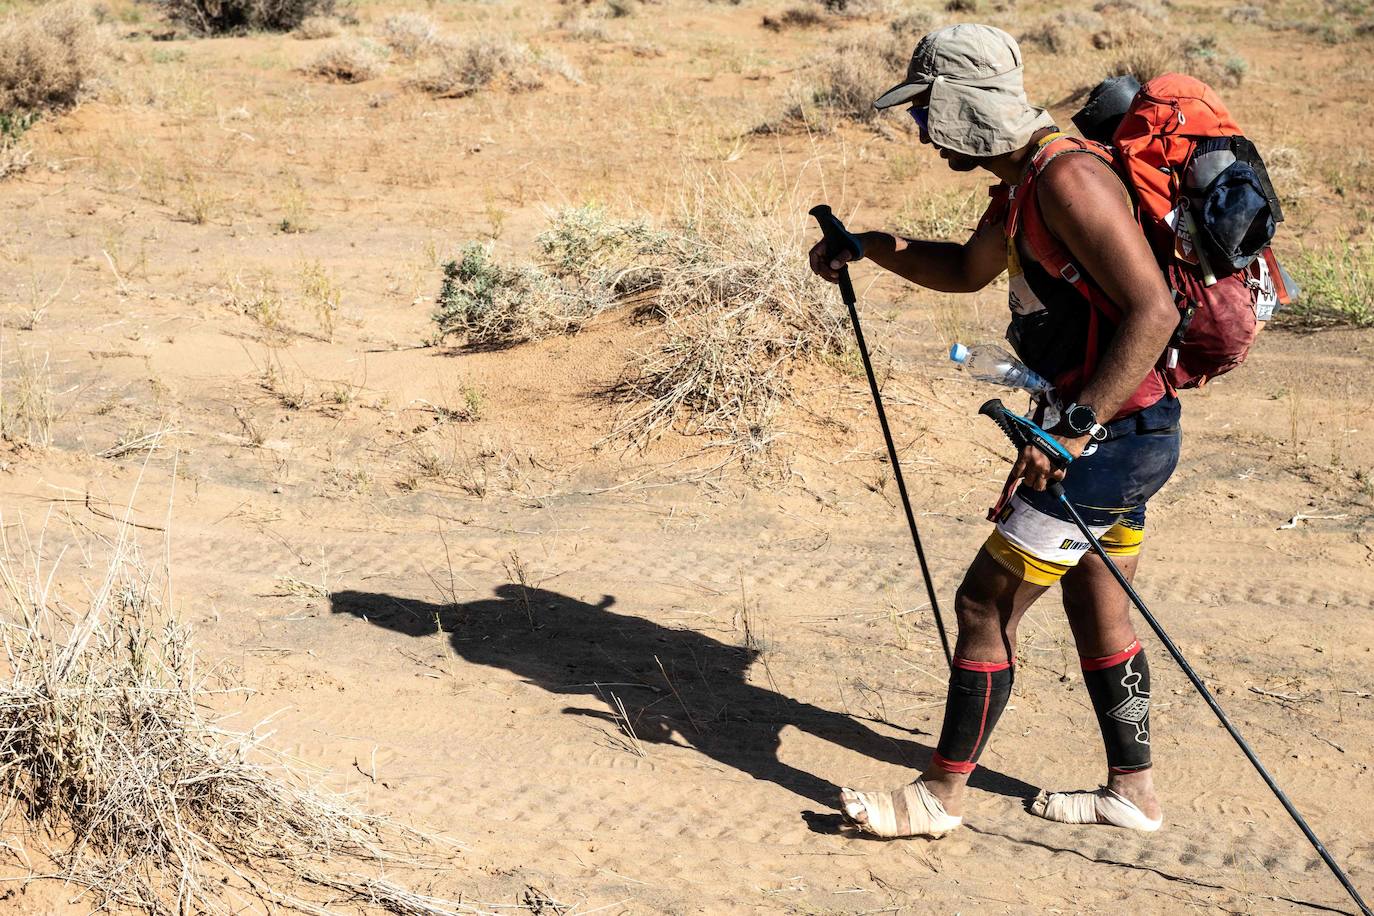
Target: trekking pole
[[1023, 432], [838, 239]]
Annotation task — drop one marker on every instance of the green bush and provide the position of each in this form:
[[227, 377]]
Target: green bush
[[488, 304]]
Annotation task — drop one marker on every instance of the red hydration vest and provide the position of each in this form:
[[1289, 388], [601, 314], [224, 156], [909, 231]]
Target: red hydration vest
[[1025, 223]]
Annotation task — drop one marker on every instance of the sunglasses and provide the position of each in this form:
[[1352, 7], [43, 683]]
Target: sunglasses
[[921, 115]]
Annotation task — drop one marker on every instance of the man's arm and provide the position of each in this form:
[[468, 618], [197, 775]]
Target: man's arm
[[945, 266], [1084, 205]]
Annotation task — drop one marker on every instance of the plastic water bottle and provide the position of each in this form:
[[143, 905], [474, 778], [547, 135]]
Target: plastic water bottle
[[990, 363]]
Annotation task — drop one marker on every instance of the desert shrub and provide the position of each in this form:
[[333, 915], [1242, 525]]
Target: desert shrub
[[1063, 31], [1148, 9], [913, 24], [741, 313], [1205, 59], [794, 17], [476, 64], [962, 6], [489, 304], [49, 58], [218, 17], [313, 28], [1245, 13], [408, 35], [949, 215], [845, 83], [347, 61], [1145, 62], [738, 309], [111, 751], [1337, 288]]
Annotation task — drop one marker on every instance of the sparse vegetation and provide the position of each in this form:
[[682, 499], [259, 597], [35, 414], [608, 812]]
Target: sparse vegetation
[[738, 313], [409, 35], [220, 17], [846, 82], [321, 296], [1145, 62], [950, 215], [481, 63], [794, 17], [27, 411], [1337, 288], [108, 744], [348, 61], [313, 28], [49, 60], [486, 303]]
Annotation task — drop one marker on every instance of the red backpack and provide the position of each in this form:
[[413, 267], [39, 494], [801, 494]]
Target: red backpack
[[1207, 208]]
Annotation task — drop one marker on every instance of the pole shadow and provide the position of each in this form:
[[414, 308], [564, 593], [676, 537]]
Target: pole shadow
[[671, 681]]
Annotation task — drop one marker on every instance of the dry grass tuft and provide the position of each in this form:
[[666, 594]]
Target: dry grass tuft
[[409, 35], [1145, 62], [27, 409], [348, 61], [794, 17], [856, 71], [1064, 31], [741, 312], [108, 751], [489, 61], [219, 17], [49, 59], [313, 28]]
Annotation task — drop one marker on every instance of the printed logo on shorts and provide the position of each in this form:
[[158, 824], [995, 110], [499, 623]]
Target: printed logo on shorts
[[1070, 544]]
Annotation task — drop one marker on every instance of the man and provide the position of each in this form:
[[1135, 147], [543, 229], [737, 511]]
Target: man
[[1120, 421]]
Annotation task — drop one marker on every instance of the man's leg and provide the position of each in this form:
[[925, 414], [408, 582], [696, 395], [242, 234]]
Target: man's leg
[[989, 605], [1118, 680]]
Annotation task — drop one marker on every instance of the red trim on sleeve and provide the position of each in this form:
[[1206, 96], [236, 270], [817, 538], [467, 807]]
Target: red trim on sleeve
[[969, 665], [1108, 661]]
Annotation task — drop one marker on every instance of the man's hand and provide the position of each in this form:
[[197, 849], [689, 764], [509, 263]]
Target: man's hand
[[1034, 468], [828, 268]]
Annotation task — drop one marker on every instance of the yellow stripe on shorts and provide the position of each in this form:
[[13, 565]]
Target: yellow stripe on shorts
[[1015, 560], [1122, 540]]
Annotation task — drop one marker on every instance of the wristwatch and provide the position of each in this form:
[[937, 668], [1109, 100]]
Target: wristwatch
[[1081, 420]]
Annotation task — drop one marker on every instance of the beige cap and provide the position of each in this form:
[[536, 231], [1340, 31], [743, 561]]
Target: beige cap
[[970, 78]]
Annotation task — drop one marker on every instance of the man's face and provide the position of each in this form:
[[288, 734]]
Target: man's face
[[956, 161]]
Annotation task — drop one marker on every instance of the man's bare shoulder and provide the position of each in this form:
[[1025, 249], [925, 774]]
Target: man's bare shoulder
[[1079, 179]]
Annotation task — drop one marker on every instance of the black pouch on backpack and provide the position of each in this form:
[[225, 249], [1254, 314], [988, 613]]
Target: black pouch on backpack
[[1232, 201]]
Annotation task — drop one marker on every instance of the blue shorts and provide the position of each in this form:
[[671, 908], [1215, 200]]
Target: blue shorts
[[1108, 484]]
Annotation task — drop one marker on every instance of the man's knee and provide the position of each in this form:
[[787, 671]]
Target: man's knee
[[975, 607]]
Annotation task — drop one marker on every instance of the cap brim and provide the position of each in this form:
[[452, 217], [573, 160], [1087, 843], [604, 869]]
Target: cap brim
[[902, 92]]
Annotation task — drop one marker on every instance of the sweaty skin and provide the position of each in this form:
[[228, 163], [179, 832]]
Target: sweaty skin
[[1084, 204]]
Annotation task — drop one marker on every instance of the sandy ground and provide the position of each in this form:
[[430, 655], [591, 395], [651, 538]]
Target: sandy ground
[[452, 646]]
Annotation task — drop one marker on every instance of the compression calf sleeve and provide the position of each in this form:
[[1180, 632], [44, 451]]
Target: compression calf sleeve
[[1119, 685], [978, 692]]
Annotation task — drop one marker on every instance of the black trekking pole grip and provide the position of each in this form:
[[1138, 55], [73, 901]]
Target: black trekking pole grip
[[1022, 432], [838, 239]]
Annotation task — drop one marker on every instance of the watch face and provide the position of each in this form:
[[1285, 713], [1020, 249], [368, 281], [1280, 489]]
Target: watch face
[[1081, 418]]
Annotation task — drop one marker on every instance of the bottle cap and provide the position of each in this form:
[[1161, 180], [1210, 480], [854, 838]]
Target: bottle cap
[[959, 353]]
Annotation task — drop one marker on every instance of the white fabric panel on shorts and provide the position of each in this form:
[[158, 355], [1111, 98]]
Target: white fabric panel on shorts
[[1044, 536]]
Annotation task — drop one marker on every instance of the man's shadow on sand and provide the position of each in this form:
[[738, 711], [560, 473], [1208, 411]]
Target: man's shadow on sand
[[672, 681]]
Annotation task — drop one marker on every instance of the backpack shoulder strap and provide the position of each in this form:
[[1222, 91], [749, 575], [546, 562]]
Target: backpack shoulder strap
[[1025, 221]]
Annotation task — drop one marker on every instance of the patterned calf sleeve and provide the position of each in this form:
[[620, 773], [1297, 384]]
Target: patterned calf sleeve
[[978, 692], [1119, 685]]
